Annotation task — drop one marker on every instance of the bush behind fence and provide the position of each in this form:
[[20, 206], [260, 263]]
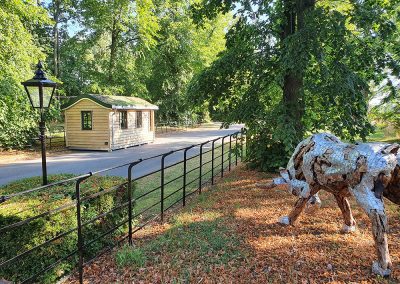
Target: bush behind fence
[[48, 231]]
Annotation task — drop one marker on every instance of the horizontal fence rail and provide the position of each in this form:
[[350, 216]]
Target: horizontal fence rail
[[50, 231], [164, 127], [54, 138]]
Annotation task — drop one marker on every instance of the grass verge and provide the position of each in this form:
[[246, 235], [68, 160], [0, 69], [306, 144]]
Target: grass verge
[[110, 193]]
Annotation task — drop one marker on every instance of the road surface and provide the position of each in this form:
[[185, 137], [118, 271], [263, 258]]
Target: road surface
[[81, 162]]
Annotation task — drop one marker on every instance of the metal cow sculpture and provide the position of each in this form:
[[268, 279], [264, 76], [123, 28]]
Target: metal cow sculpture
[[367, 171]]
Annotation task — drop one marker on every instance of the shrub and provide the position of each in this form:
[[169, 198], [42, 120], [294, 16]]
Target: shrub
[[17, 240]]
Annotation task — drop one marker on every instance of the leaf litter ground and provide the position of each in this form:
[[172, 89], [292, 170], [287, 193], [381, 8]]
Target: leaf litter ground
[[230, 234]]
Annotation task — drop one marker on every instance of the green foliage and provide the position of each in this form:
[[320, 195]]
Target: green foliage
[[130, 256], [145, 48], [101, 58], [182, 51], [385, 109], [17, 240], [149, 49], [287, 78], [18, 50]]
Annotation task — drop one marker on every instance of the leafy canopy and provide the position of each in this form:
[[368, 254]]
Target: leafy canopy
[[18, 50], [293, 67]]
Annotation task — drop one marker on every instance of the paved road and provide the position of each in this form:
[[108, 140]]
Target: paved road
[[80, 162]]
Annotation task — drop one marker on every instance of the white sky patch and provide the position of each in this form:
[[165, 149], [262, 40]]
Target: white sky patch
[[380, 93]]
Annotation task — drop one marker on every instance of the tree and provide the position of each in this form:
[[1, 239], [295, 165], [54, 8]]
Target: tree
[[103, 56], [182, 51], [18, 51], [298, 66], [386, 109], [127, 24], [61, 11], [143, 48]]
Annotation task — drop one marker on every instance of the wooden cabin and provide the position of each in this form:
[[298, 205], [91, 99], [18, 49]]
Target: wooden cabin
[[100, 122]]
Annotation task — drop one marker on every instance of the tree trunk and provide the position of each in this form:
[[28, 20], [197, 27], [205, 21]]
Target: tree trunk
[[113, 49], [56, 38], [293, 79]]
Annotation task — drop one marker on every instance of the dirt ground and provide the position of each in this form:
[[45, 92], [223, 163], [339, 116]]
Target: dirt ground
[[255, 248], [11, 156]]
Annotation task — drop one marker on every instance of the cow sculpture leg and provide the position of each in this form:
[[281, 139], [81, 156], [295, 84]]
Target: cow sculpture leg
[[296, 211], [349, 225], [373, 206], [302, 190]]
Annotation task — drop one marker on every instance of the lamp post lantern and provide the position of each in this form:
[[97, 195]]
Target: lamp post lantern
[[40, 91]]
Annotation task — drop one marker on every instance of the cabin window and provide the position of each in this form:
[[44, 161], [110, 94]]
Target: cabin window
[[123, 119], [138, 119], [86, 117]]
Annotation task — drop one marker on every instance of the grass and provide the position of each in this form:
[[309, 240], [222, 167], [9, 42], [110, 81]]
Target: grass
[[129, 256], [380, 135], [51, 225], [190, 243], [173, 176], [204, 239]]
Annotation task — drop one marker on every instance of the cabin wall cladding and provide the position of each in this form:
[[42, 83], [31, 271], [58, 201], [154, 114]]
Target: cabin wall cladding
[[132, 135], [103, 129], [84, 139]]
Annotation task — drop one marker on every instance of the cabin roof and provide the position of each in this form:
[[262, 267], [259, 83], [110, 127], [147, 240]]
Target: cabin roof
[[114, 102]]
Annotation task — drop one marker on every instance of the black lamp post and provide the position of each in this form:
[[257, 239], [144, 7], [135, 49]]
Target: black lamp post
[[40, 91]]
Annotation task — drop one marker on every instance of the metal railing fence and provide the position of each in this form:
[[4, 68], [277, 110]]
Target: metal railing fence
[[67, 224], [55, 138], [169, 126]]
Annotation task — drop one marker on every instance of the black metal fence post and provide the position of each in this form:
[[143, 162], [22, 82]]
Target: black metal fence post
[[236, 148], [212, 160], [222, 159], [184, 174], [241, 144], [130, 205], [162, 183], [201, 165], [79, 223], [245, 142], [230, 152]]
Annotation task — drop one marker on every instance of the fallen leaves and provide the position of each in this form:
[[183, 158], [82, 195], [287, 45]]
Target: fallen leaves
[[313, 251]]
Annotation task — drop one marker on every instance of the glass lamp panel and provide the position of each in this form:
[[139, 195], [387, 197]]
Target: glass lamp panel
[[47, 93], [34, 95]]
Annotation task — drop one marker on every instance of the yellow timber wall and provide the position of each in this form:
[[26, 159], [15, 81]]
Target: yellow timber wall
[[96, 139]]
